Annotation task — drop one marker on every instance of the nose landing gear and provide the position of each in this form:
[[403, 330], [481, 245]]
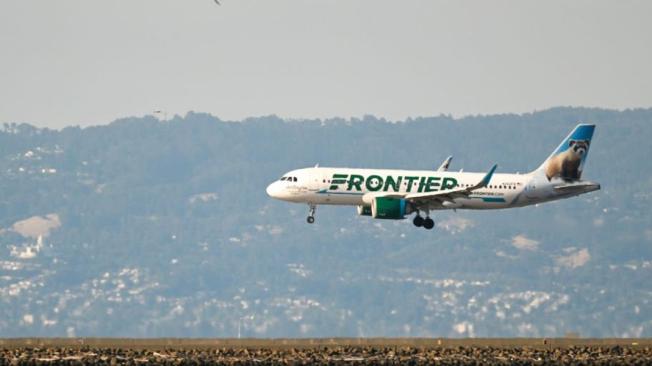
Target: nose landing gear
[[311, 214]]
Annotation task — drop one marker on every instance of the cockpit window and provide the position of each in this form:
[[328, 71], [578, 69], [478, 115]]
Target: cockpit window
[[295, 179]]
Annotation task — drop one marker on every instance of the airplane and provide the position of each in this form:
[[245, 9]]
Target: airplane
[[396, 194]]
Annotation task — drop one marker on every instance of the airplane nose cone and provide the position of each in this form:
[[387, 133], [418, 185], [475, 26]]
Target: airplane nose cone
[[272, 190]]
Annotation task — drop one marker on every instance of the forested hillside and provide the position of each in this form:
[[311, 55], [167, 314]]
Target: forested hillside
[[163, 228]]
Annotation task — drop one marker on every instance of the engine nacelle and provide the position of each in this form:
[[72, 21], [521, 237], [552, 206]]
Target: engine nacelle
[[364, 210], [389, 208]]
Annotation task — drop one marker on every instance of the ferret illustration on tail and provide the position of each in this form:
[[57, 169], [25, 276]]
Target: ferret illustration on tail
[[567, 164], [567, 160]]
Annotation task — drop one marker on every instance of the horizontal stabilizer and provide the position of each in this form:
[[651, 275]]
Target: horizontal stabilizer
[[577, 188]]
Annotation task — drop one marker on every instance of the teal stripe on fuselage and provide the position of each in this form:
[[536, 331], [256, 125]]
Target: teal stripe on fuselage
[[489, 199]]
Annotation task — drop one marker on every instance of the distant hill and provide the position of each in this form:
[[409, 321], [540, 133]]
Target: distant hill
[[144, 228]]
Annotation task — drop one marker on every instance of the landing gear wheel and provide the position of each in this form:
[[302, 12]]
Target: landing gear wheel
[[428, 223], [311, 213], [418, 221]]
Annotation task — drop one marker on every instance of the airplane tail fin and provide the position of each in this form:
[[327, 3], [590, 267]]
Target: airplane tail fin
[[567, 161]]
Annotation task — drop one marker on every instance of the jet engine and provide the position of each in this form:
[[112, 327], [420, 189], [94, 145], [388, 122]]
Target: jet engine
[[389, 208]]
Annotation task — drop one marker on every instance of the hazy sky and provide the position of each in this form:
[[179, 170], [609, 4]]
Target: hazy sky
[[86, 62]]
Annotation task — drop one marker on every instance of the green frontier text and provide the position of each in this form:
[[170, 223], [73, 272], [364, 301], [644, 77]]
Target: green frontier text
[[374, 183]]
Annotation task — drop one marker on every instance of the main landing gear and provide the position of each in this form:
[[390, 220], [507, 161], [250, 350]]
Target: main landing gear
[[311, 214], [426, 223]]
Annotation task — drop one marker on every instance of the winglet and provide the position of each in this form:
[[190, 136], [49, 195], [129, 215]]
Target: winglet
[[445, 164], [485, 181], [487, 178]]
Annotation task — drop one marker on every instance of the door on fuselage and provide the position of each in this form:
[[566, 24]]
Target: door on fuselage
[[531, 189]]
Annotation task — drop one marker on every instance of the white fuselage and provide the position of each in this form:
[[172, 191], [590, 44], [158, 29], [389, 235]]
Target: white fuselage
[[323, 186], [394, 194]]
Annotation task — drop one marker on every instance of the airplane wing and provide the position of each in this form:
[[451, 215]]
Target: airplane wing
[[439, 197], [444, 166]]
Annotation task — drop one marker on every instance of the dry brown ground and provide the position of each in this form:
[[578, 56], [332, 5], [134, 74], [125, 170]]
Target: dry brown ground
[[172, 351]]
